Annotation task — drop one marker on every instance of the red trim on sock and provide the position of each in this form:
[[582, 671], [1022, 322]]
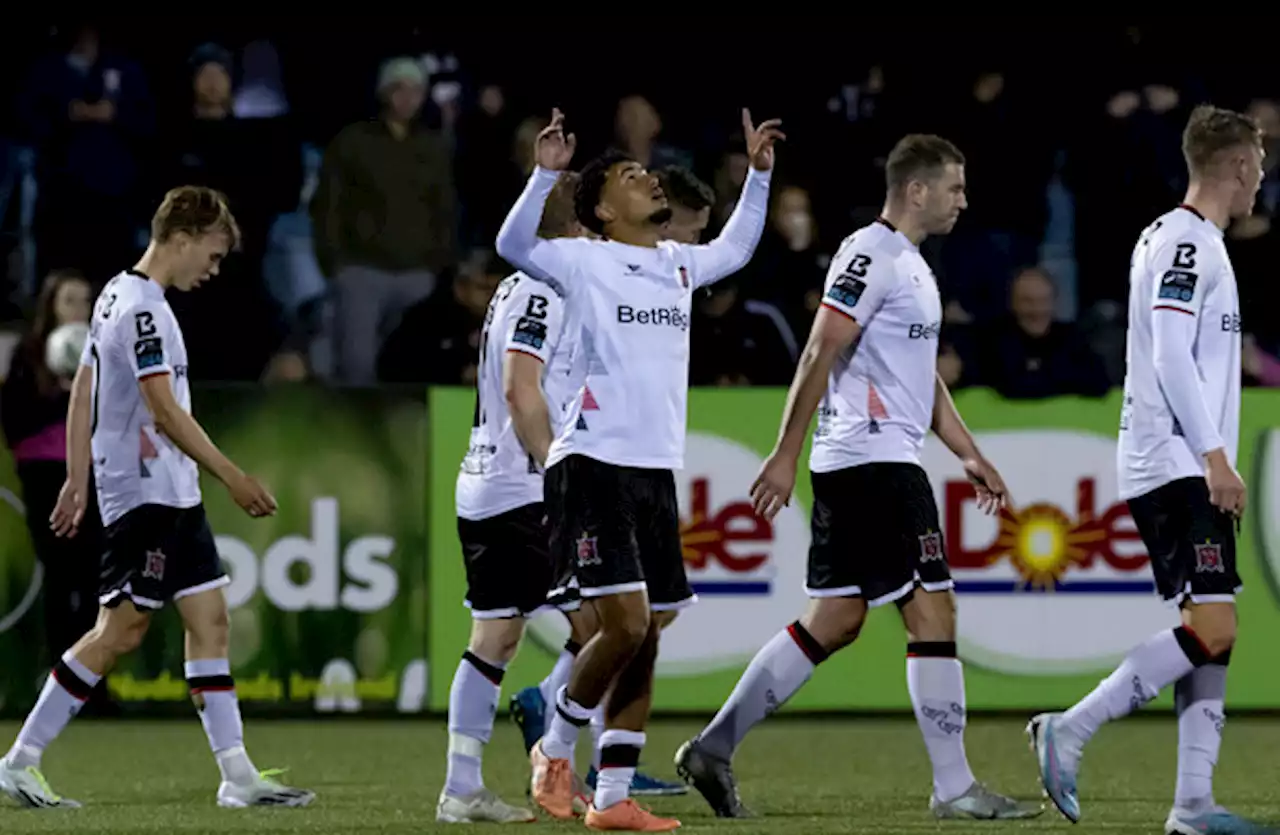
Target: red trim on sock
[[795, 636], [63, 685], [195, 690]]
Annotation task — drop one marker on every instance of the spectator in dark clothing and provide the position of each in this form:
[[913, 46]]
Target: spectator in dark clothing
[[1028, 355], [33, 412], [257, 163], [790, 264], [87, 112], [385, 219], [736, 342], [438, 340]]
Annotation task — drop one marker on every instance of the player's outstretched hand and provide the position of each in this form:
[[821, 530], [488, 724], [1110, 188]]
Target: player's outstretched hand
[[68, 513], [252, 496], [553, 149], [993, 495], [772, 488], [760, 140]]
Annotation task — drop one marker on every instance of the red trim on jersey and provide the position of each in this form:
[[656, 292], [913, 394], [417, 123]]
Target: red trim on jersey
[[848, 316], [875, 406], [1171, 307], [526, 353], [152, 374]]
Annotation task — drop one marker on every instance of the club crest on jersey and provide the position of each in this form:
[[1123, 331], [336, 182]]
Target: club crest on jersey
[[587, 553], [684, 278], [153, 565], [930, 546], [1209, 558]]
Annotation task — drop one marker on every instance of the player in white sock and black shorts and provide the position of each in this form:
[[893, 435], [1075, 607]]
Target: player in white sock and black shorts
[[870, 372], [1179, 432], [130, 414], [502, 519], [610, 489]]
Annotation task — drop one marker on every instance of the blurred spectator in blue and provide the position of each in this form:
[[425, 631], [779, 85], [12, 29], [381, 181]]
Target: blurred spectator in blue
[[438, 340], [1027, 355], [257, 163], [385, 219], [1007, 172], [261, 93], [87, 112], [33, 413]]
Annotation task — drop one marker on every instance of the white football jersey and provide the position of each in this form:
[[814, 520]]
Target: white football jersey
[[497, 474], [629, 314], [879, 400], [134, 335], [1180, 269]]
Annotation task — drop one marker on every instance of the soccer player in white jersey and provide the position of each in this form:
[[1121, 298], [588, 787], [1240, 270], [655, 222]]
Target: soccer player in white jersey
[[610, 490], [690, 201], [871, 364], [131, 411], [1179, 428], [502, 521]]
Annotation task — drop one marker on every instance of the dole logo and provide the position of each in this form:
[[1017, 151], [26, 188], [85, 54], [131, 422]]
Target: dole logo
[[705, 539], [1058, 583]]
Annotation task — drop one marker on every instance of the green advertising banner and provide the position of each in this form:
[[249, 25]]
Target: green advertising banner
[[1051, 595], [328, 598], [21, 627]]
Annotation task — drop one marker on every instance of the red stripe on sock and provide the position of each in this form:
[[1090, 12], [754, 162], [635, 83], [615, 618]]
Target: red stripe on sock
[[63, 685], [212, 690], [795, 636], [1193, 634]]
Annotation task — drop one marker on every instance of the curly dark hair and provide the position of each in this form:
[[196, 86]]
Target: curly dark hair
[[590, 184]]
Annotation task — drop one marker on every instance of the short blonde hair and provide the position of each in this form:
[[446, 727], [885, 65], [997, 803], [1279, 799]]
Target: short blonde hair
[[1212, 130], [195, 210]]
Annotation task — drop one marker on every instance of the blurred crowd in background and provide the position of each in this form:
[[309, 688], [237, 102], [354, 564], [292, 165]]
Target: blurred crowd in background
[[370, 166]]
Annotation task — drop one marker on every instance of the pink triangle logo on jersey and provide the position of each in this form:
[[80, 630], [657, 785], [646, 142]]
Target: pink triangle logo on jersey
[[875, 406], [589, 403]]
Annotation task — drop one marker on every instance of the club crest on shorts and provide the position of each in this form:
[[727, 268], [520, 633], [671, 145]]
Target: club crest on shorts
[[587, 553], [1209, 558], [930, 546], [153, 565]]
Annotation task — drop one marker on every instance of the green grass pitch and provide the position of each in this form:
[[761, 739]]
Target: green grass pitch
[[804, 776]]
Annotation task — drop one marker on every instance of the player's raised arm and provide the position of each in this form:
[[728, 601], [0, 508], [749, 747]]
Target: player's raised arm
[[734, 246], [518, 240]]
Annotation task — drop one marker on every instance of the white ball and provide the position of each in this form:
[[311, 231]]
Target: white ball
[[63, 348]]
